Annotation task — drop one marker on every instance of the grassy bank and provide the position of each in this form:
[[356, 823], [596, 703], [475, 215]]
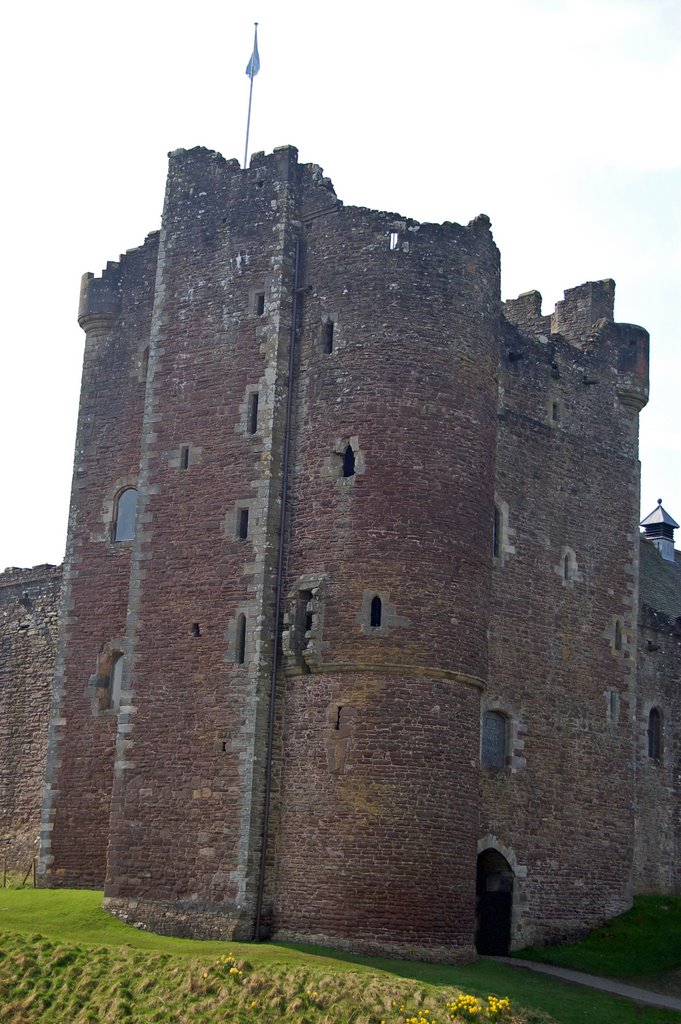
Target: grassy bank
[[635, 946], [64, 961]]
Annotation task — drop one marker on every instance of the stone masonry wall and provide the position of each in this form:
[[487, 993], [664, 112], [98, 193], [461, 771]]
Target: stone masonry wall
[[564, 617], [115, 313], [658, 779], [409, 384], [469, 478], [29, 612], [186, 819]]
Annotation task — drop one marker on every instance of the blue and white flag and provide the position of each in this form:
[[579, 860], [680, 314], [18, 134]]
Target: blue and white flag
[[254, 63]]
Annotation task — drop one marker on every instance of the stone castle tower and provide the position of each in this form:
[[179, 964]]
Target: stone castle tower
[[351, 588]]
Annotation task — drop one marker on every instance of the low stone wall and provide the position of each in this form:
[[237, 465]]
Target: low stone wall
[[29, 614]]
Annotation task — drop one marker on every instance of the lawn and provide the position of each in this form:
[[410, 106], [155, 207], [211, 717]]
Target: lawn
[[636, 946], [65, 961]]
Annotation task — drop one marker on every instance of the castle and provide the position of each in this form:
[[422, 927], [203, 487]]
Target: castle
[[359, 642]]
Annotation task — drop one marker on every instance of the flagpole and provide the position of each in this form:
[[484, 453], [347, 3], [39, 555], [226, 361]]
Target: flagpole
[[253, 71]]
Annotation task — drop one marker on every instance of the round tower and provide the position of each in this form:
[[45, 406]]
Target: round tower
[[385, 632]]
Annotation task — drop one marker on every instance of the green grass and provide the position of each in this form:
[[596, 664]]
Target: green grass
[[637, 945], [65, 961]]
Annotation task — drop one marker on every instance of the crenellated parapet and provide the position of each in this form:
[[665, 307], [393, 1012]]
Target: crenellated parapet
[[578, 342], [100, 301]]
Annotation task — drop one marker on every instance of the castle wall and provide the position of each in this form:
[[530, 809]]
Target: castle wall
[[187, 811], [115, 313], [29, 611], [459, 539], [375, 848], [410, 386], [564, 614], [658, 803]]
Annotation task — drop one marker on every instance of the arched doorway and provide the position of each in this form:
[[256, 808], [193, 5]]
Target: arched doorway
[[494, 902]]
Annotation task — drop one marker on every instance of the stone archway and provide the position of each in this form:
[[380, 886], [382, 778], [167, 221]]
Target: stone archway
[[493, 904]]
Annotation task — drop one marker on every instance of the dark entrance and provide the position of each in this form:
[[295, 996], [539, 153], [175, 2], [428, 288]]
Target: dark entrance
[[494, 901]]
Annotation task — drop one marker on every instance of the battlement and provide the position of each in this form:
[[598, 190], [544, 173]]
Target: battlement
[[581, 307], [585, 320], [574, 316], [101, 297], [14, 575]]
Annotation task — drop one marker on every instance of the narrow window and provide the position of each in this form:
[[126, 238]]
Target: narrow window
[[303, 618], [393, 240], [376, 611], [554, 412], [184, 458], [494, 732], [655, 734], [196, 629], [496, 533], [327, 337], [116, 681], [566, 567], [259, 304], [618, 635], [242, 524], [124, 518], [349, 462], [145, 363], [241, 640], [252, 419]]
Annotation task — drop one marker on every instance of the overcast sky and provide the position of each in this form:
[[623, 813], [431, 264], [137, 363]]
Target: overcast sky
[[560, 119]]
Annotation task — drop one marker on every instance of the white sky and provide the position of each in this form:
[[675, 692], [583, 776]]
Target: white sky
[[560, 119]]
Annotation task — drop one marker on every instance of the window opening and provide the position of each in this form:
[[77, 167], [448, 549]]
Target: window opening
[[184, 458], [259, 303], [496, 533], [393, 240], [304, 618], [349, 462], [242, 526], [327, 336], [655, 734], [566, 567], [252, 425], [613, 705], [554, 411], [493, 740], [196, 629], [618, 635], [376, 611], [126, 510], [116, 681], [241, 640], [338, 717], [145, 363]]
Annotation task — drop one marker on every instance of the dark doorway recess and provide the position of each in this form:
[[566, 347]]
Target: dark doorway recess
[[494, 901]]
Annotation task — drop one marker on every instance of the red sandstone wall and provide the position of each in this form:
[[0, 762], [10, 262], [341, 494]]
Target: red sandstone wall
[[187, 804], [376, 751], [658, 807], [115, 312], [567, 478], [376, 847], [411, 384], [29, 610]]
